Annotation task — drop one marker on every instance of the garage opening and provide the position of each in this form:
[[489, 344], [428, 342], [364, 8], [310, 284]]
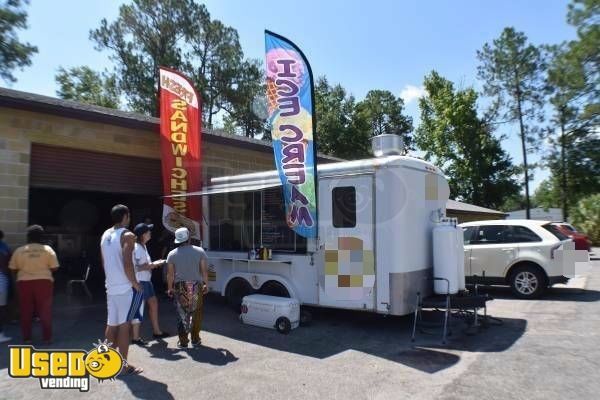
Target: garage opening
[[71, 195]]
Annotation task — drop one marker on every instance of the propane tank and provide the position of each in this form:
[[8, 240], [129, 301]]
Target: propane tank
[[460, 245], [445, 257]]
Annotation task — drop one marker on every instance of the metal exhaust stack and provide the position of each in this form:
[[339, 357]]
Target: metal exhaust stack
[[387, 145]]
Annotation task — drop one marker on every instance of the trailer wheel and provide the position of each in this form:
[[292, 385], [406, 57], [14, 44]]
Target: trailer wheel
[[305, 317], [274, 288], [283, 325], [236, 290]]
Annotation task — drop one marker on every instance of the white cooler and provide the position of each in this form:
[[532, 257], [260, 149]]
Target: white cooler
[[279, 313]]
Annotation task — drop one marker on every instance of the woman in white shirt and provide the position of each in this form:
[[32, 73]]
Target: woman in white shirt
[[143, 271]]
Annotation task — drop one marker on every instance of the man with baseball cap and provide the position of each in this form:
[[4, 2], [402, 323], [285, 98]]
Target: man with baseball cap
[[187, 278]]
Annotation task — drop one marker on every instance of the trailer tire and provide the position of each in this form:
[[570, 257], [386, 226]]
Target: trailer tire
[[274, 288], [236, 290], [305, 317], [283, 325]]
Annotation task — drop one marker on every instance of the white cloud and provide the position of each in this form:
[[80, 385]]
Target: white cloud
[[411, 93]]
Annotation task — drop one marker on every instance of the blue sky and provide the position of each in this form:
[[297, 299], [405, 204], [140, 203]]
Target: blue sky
[[377, 44]]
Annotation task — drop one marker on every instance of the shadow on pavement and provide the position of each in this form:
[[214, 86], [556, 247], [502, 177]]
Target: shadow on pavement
[[208, 355], [427, 360], [553, 294], [144, 388], [160, 349], [336, 331], [331, 332], [202, 354]]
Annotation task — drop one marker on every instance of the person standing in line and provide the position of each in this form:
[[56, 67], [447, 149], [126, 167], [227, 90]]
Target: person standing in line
[[4, 286], [124, 294], [33, 265], [143, 267], [187, 278], [166, 244]]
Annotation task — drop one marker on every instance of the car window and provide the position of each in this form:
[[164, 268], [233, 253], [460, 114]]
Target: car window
[[570, 227], [490, 234], [555, 231], [468, 232], [521, 234]]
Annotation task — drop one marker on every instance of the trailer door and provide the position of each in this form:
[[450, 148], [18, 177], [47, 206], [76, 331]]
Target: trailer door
[[346, 217]]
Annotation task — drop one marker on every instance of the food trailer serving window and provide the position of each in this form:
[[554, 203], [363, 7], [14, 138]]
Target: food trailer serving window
[[240, 221]]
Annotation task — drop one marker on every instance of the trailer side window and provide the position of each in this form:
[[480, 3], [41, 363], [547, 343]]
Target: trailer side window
[[344, 206], [248, 220]]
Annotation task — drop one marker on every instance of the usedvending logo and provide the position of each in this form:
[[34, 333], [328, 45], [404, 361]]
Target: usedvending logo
[[65, 369]]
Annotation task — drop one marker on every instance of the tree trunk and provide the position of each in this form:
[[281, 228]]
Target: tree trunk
[[210, 113], [524, 148], [156, 99], [563, 170]]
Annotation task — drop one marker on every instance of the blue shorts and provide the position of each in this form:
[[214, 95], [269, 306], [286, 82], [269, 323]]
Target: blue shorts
[[148, 292], [148, 289], [135, 309]]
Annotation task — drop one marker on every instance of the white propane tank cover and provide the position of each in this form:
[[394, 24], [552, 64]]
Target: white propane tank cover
[[445, 258], [460, 245], [386, 145]]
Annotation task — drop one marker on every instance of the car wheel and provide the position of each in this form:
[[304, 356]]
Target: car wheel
[[283, 325], [527, 282]]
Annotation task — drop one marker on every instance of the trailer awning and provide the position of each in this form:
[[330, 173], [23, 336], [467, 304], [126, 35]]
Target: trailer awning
[[233, 188]]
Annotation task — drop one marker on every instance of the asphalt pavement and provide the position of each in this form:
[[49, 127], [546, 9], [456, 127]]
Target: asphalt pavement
[[542, 349]]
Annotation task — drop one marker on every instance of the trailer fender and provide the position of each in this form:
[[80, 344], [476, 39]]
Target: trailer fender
[[257, 280]]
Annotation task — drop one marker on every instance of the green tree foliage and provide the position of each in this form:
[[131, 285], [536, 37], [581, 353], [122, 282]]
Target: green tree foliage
[[586, 216], [463, 144], [340, 129], [181, 34], [582, 168], [88, 86], [546, 194], [382, 112], [513, 203], [573, 82], [146, 34], [13, 53], [512, 71], [248, 86], [560, 86], [583, 57], [214, 61]]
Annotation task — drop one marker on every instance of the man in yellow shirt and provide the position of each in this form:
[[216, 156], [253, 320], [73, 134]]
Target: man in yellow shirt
[[33, 265]]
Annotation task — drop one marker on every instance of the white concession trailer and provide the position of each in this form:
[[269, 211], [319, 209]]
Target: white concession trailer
[[374, 250]]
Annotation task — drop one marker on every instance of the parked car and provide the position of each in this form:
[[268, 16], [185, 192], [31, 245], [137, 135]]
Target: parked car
[[518, 253], [581, 240]]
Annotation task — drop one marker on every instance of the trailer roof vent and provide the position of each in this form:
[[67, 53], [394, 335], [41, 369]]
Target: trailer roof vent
[[387, 145]]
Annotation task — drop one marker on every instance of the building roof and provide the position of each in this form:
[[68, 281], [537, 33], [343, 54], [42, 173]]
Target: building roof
[[540, 209], [72, 109], [465, 208]]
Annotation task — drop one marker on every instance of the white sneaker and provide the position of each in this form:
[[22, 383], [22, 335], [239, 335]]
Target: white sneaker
[[4, 338]]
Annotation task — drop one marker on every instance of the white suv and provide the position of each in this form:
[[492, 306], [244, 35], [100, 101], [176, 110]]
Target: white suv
[[519, 253]]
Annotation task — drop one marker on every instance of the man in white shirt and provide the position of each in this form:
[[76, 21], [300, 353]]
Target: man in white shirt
[[123, 292]]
